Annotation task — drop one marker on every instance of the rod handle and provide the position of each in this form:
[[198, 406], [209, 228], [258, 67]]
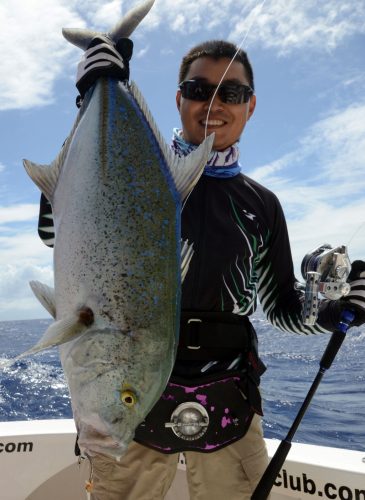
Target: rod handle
[[336, 340], [265, 485]]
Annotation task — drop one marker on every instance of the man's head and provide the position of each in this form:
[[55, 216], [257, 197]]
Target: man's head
[[206, 63], [216, 49]]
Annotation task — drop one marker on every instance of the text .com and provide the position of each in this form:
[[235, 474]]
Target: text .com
[[304, 484]]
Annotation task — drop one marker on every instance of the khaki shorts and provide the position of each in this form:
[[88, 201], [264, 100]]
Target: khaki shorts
[[144, 474]]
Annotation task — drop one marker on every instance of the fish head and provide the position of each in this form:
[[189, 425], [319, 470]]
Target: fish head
[[115, 378]]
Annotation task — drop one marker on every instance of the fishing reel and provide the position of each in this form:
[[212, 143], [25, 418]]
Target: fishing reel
[[325, 270]]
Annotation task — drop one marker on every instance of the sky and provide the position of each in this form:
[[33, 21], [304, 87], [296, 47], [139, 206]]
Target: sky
[[305, 142]]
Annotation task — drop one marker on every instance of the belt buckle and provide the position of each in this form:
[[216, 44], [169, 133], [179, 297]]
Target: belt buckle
[[194, 320], [189, 421]]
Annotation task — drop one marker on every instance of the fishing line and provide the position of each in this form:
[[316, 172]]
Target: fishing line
[[224, 74], [231, 62], [355, 233]]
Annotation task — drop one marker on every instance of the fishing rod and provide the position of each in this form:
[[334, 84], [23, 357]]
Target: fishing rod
[[325, 270], [267, 481]]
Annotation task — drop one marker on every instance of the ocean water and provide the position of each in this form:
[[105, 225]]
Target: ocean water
[[35, 387]]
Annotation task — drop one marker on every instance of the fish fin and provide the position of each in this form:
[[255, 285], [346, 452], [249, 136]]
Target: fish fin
[[187, 253], [185, 170], [130, 21], [45, 295], [44, 176], [82, 37], [58, 333]]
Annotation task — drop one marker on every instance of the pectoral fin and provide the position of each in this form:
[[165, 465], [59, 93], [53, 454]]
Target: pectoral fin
[[185, 170], [44, 176], [59, 332]]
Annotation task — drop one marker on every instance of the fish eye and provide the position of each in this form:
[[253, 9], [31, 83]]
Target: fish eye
[[128, 398]]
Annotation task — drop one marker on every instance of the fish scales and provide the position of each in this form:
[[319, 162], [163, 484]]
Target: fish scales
[[124, 194], [134, 239], [116, 190]]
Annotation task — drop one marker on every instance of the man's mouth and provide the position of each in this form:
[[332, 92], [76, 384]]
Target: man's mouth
[[212, 123]]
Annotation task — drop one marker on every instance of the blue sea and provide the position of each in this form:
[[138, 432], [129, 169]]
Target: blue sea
[[35, 387]]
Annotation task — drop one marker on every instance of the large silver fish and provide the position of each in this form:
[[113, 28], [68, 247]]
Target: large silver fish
[[116, 191]]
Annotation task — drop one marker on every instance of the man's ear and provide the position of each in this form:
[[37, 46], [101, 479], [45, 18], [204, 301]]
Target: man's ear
[[178, 99], [251, 107]]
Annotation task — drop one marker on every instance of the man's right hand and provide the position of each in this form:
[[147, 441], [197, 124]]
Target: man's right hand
[[104, 58], [356, 297]]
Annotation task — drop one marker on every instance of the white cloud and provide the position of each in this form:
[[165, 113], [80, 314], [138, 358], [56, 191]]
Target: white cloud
[[31, 44], [13, 278], [287, 26], [23, 257], [17, 213], [14, 284], [107, 14], [284, 26], [344, 137], [33, 53], [142, 52], [335, 147], [326, 203], [24, 248], [2, 167]]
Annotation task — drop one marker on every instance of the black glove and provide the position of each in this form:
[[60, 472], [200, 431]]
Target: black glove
[[103, 58], [330, 311], [356, 297]]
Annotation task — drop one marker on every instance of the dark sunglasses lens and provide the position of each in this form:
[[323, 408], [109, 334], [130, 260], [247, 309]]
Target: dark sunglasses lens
[[233, 94], [229, 93], [196, 91]]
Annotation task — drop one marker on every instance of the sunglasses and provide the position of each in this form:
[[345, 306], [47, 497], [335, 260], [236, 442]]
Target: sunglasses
[[231, 93]]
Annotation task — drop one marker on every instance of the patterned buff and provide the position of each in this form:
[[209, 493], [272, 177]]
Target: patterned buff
[[220, 164]]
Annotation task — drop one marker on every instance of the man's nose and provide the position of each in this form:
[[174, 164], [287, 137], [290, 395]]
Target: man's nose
[[216, 104]]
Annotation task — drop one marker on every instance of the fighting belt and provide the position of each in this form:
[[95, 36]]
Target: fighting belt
[[213, 335], [198, 415], [209, 412]]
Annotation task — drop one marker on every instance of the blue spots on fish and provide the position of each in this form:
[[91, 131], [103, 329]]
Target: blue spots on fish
[[153, 142], [123, 112], [148, 253]]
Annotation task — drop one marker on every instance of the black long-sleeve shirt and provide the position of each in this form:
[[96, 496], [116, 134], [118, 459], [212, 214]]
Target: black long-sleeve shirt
[[241, 254]]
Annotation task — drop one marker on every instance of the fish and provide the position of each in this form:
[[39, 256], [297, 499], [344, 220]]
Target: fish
[[116, 190]]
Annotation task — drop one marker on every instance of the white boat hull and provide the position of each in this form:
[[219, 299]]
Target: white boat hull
[[38, 463]]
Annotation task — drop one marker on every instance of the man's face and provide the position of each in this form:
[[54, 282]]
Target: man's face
[[226, 120]]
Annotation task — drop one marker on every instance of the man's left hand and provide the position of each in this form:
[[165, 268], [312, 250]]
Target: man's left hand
[[104, 58]]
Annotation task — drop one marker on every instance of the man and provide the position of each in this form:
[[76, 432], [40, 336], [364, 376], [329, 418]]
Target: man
[[241, 250]]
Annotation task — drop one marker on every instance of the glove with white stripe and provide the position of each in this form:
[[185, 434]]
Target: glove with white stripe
[[104, 58], [356, 297]]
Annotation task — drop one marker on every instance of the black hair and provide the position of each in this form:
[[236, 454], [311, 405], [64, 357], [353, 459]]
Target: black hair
[[216, 49]]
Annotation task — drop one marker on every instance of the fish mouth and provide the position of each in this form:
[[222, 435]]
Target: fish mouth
[[94, 440], [112, 448]]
